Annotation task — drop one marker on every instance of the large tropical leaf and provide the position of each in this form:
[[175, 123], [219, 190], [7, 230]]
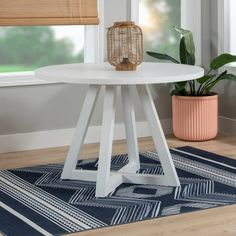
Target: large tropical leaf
[[178, 92], [181, 85], [180, 89], [161, 56], [190, 47], [205, 79], [185, 57], [220, 78], [222, 60]]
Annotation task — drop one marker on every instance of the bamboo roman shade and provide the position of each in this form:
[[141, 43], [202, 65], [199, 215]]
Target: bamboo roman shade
[[48, 12]]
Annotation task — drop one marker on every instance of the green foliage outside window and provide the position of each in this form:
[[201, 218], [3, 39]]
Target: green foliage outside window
[[161, 16], [27, 48]]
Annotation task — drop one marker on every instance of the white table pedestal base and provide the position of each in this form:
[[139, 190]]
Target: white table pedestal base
[[107, 180]]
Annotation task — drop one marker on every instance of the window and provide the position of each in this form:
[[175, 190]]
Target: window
[[232, 27], [27, 48], [62, 44], [232, 32], [157, 18], [226, 29]]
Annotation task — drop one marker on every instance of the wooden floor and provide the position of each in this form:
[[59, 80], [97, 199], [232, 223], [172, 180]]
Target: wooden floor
[[214, 222]]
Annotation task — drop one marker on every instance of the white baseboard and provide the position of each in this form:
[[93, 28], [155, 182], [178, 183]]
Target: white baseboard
[[227, 125], [63, 137]]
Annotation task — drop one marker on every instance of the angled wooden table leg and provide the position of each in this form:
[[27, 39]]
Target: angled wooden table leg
[[107, 182], [170, 176], [130, 128], [81, 130]]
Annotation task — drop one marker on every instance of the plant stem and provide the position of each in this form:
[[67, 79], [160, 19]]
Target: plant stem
[[191, 86], [199, 89], [206, 85], [194, 87], [202, 87]]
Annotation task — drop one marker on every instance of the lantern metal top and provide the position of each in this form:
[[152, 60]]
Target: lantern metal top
[[124, 24], [125, 45]]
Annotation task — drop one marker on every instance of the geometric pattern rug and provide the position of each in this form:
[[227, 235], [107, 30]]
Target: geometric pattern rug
[[34, 201]]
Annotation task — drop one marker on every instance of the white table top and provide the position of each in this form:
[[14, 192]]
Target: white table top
[[105, 74]]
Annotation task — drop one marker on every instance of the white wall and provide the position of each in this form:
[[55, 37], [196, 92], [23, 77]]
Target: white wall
[[49, 107], [226, 89]]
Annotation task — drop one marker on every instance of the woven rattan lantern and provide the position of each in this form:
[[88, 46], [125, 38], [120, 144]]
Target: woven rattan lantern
[[125, 45]]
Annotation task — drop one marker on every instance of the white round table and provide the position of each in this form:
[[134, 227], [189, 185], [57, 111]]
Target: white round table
[[98, 75]]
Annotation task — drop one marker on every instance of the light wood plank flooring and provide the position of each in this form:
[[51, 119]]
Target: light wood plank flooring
[[214, 222]]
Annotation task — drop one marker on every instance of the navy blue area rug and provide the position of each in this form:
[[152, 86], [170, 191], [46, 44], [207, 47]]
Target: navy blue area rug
[[34, 201]]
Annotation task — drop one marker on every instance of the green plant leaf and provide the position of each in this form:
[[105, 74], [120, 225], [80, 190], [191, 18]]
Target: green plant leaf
[[179, 92], [161, 56], [181, 85], [183, 52], [220, 78], [180, 89], [204, 79], [222, 60], [190, 47], [185, 57], [204, 89]]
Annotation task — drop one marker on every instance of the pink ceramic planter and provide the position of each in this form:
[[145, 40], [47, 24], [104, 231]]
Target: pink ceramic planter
[[195, 118]]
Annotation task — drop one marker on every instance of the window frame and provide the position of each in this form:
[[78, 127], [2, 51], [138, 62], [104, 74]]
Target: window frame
[[190, 10], [93, 52], [224, 31]]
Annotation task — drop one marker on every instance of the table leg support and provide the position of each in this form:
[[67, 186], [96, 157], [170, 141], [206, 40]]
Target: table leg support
[[105, 182], [108, 181], [130, 128], [170, 175], [80, 132]]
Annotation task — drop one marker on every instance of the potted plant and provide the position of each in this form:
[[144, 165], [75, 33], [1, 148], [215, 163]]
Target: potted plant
[[194, 103]]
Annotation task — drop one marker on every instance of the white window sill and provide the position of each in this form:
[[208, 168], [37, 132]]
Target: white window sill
[[231, 68], [21, 79]]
